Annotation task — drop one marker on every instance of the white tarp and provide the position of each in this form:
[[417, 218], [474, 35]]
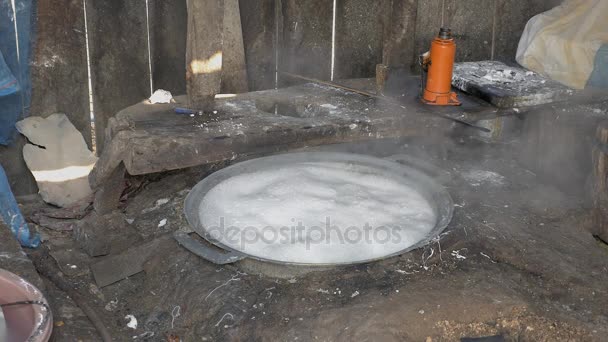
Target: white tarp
[[562, 43]]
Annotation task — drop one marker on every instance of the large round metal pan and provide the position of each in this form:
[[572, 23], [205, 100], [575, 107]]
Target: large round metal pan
[[436, 195]]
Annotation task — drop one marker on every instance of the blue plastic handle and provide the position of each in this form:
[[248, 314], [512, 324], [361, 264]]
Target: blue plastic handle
[[185, 111]]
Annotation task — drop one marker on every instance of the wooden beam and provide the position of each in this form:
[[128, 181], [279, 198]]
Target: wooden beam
[[234, 69], [119, 58], [168, 30], [59, 64], [306, 39], [259, 26], [600, 183], [204, 52]]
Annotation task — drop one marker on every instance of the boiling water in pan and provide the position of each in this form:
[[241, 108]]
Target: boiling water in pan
[[317, 213]]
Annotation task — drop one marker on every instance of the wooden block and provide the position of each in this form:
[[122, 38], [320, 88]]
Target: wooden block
[[359, 34], [234, 69]]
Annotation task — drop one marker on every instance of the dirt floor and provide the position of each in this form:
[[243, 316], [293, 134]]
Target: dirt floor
[[516, 261]]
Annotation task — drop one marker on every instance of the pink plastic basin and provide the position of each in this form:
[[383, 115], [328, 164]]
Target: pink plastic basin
[[24, 322]]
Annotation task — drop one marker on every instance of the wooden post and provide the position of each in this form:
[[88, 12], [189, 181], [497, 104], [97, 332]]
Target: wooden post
[[119, 59], [107, 197], [204, 58], [234, 68], [600, 183]]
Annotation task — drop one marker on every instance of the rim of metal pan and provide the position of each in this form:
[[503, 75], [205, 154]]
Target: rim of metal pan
[[433, 191]]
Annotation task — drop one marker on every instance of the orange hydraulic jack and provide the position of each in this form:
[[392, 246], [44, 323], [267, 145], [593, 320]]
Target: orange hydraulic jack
[[439, 65]]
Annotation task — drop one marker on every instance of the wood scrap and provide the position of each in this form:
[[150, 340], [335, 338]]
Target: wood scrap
[[118, 267]]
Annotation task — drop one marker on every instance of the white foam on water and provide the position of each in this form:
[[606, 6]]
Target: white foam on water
[[263, 210]]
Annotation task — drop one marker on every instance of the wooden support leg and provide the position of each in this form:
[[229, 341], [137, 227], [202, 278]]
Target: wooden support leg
[[204, 57], [600, 183], [107, 197]]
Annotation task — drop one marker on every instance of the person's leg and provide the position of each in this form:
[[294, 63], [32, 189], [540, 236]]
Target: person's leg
[[11, 215]]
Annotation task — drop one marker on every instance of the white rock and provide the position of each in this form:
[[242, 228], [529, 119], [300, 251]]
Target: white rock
[[132, 323], [62, 167], [161, 96]]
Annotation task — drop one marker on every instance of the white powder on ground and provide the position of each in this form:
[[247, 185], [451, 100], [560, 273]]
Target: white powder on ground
[[161, 96], [479, 177], [263, 210], [132, 323]]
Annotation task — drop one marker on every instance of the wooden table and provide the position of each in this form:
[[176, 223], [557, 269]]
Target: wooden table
[[147, 138]]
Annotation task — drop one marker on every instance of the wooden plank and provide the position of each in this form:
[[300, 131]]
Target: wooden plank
[[258, 21], [59, 64], [359, 32], [156, 141], [204, 49], [234, 70], [599, 182], [119, 58], [168, 29], [306, 38], [399, 49]]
